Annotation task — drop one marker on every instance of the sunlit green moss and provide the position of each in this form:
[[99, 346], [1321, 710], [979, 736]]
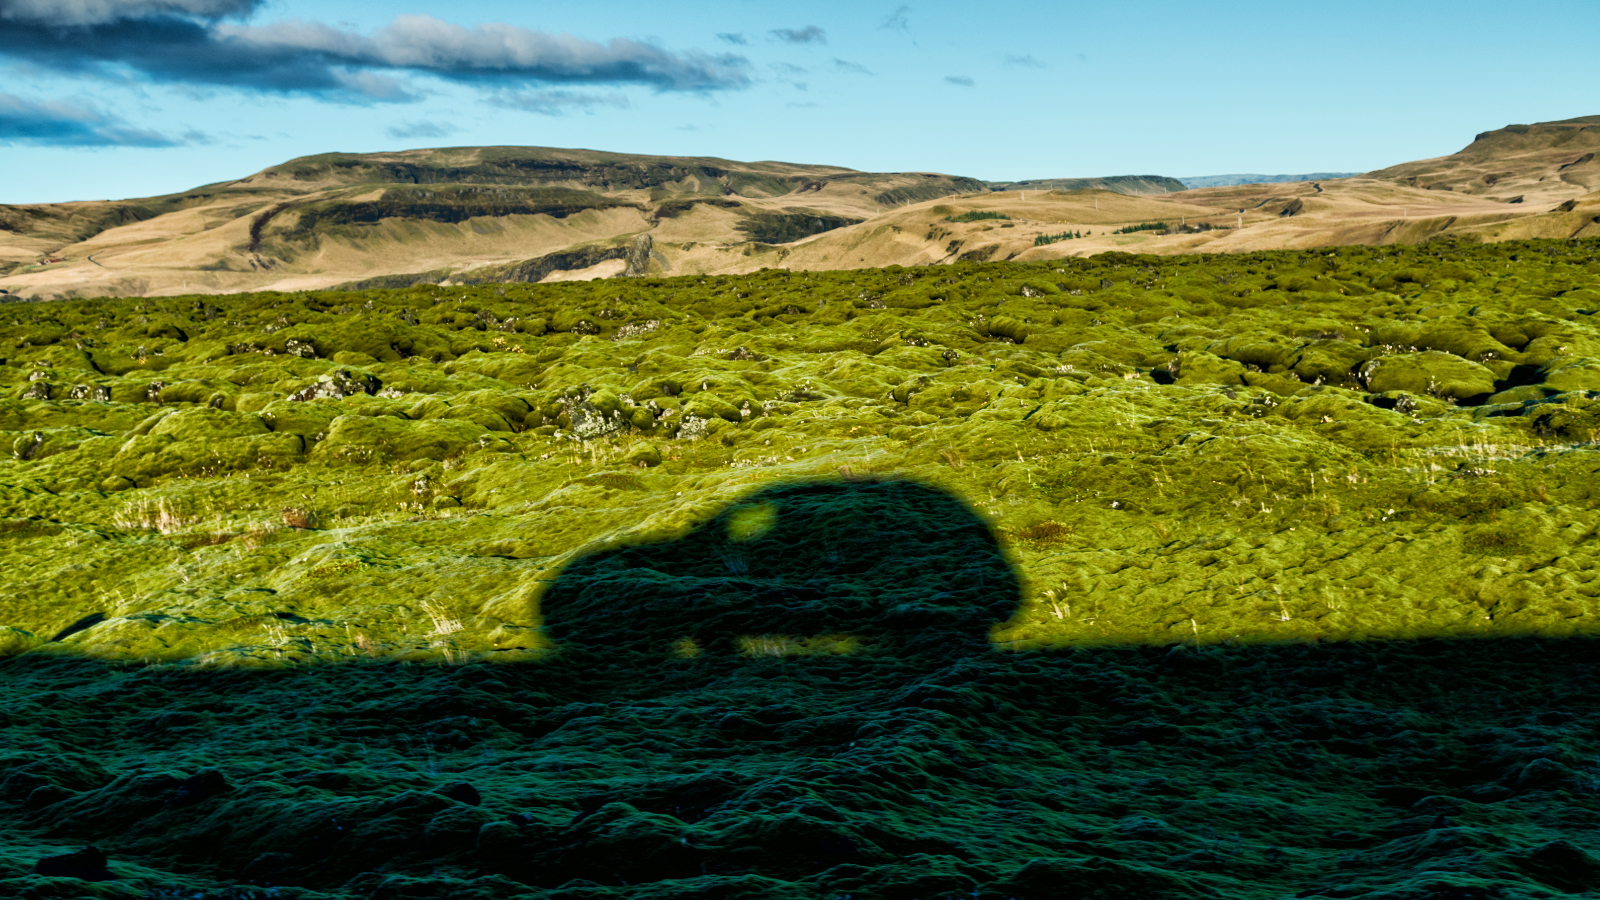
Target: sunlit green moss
[[1368, 441]]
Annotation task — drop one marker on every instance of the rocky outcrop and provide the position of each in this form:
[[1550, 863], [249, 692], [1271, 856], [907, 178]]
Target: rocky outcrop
[[638, 256]]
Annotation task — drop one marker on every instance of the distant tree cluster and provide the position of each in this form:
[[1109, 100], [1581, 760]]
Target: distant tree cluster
[[977, 215], [1143, 226], [1046, 239]]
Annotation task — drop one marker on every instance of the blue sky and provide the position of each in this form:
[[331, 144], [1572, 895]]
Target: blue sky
[[105, 99]]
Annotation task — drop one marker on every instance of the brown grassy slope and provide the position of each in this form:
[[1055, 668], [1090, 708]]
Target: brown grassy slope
[[1544, 164], [1253, 217], [242, 235], [253, 234]]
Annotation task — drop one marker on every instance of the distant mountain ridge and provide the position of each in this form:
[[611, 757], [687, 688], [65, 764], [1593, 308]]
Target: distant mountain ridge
[[476, 215], [1137, 185], [1205, 181]]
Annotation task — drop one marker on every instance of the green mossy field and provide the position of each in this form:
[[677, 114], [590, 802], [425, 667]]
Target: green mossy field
[[1358, 443], [1121, 577]]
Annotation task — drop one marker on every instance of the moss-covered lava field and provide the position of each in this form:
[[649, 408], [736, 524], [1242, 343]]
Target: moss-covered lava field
[[1239, 576], [1367, 442]]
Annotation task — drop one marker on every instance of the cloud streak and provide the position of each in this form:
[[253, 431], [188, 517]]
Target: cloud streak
[[55, 124], [810, 34], [557, 102], [189, 42], [422, 129]]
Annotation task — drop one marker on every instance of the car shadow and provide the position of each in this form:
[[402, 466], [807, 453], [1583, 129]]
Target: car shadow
[[902, 566]]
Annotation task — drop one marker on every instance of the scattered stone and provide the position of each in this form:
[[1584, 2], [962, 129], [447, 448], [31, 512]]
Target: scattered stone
[[594, 414], [338, 385], [634, 329], [89, 392], [27, 447], [692, 428]]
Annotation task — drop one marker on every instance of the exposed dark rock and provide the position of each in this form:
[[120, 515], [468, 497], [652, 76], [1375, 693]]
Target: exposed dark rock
[[198, 787], [88, 864], [461, 792], [638, 256]]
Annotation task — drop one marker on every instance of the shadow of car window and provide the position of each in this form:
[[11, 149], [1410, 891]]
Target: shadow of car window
[[903, 566]]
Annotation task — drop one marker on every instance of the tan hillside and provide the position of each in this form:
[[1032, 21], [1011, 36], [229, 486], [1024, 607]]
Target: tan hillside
[[1214, 220], [324, 220], [520, 214], [1544, 164]]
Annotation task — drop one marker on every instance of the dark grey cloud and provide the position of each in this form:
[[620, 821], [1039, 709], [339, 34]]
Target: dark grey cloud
[[844, 65], [557, 102], [733, 37], [959, 80], [93, 12], [66, 125], [310, 58], [422, 129], [810, 34], [1026, 62], [899, 20]]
